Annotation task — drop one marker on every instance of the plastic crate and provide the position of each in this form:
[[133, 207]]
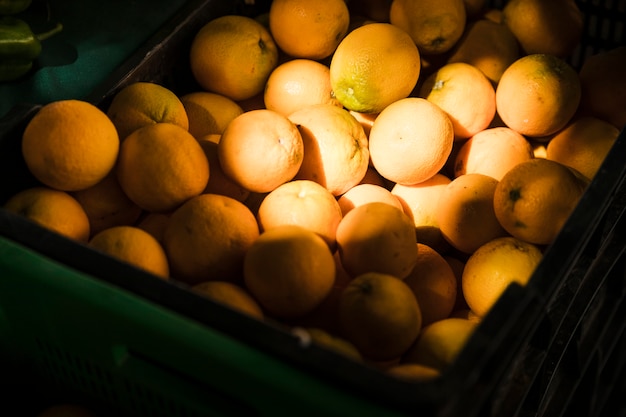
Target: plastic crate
[[79, 326]]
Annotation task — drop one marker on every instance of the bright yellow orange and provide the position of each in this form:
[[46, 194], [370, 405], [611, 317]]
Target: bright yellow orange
[[493, 267], [465, 94], [70, 145], [366, 193], [160, 166], [434, 284], [134, 246], [290, 270], [535, 198], [260, 150], [303, 203], [141, 103], [466, 215], [207, 237], [583, 144], [209, 113], [336, 153], [52, 209], [298, 83], [231, 295], [538, 95], [377, 237], [373, 66], [233, 55], [380, 315], [411, 141], [307, 29], [493, 152], [434, 25]]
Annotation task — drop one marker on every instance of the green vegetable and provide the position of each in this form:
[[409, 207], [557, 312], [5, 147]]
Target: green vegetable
[[19, 47], [8, 7]]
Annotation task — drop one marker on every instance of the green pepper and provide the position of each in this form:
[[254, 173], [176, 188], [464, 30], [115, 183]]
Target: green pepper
[[19, 47], [8, 7]]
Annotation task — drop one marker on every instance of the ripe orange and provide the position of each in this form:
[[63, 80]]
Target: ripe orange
[[134, 246], [209, 113], [362, 194], [545, 27], [306, 29], [231, 295], [219, 182], [411, 141], [296, 84], [457, 264], [233, 55], [260, 150], [434, 284], [377, 237], [493, 151], [493, 267], [465, 94], [421, 203], [380, 315], [52, 209], [290, 270], [207, 237], [144, 103], [538, 95], [70, 145], [535, 198], [160, 166], [466, 215], [583, 144], [434, 25], [336, 153], [373, 66], [303, 203]]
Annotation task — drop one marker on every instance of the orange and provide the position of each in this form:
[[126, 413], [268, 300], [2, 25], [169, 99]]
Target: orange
[[457, 264], [434, 25], [362, 194], [465, 94], [604, 87], [377, 237], [52, 209], [303, 203], [155, 224], [366, 120], [373, 66], [306, 29], [133, 245], [66, 410], [421, 203], [296, 84], [493, 151], [231, 295], [411, 141], [465, 313], [336, 153], [583, 144], [379, 315], [209, 113], [545, 27], [489, 46], [290, 270], [260, 150], [70, 145], [466, 215], [434, 284], [207, 238], [144, 103], [107, 205], [329, 341], [233, 55], [440, 343], [493, 267], [219, 182], [160, 166], [538, 94], [535, 198], [413, 372]]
